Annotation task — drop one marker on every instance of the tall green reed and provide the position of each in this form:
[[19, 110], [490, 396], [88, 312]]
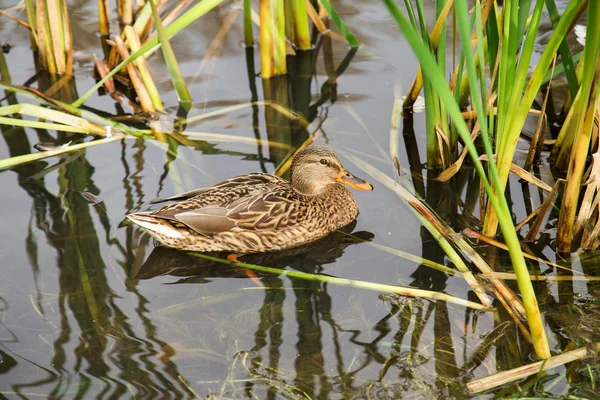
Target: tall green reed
[[589, 91], [517, 88], [490, 178]]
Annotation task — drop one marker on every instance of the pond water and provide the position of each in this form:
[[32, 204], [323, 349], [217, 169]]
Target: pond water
[[90, 308]]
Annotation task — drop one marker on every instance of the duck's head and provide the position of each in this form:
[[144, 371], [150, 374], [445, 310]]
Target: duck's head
[[314, 168]]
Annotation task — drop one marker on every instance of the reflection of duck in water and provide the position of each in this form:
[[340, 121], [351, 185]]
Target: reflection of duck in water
[[258, 212], [165, 261]]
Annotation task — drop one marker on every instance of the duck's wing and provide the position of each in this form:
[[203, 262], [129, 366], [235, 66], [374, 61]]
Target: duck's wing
[[261, 211], [250, 180], [181, 196], [273, 210]]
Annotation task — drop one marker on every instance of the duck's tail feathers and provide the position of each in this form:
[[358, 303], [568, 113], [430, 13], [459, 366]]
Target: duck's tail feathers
[[155, 225]]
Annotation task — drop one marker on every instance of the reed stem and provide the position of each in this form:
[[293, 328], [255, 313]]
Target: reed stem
[[272, 38]]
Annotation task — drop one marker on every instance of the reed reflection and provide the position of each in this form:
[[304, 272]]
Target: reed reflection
[[119, 339], [164, 261], [90, 335], [311, 302]]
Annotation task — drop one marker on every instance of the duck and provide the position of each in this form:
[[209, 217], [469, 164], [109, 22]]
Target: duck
[[260, 212]]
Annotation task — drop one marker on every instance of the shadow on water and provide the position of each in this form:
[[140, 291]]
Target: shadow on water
[[308, 258], [102, 313]]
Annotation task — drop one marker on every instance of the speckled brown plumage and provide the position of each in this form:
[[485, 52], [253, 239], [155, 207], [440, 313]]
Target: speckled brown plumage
[[260, 212]]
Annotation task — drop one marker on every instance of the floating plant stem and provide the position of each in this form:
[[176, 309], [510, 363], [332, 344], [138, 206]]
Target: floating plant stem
[[28, 158], [377, 287], [41, 125], [57, 116], [514, 374]]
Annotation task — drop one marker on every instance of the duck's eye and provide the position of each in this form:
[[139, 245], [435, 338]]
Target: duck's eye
[[324, 161]]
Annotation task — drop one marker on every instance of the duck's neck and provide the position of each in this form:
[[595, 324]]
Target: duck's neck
[[310, 188]]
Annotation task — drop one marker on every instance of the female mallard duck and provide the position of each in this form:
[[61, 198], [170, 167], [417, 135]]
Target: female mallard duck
[[259, 212]]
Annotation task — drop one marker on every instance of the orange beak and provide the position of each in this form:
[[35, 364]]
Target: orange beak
[[347, 178]]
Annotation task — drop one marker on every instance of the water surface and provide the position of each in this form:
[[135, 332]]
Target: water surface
[[91, 309]]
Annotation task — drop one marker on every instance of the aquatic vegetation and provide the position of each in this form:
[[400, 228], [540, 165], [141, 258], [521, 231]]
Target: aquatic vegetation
[[122, 316]]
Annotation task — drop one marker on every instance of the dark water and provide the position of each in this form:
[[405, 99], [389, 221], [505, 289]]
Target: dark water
[[89, 309]]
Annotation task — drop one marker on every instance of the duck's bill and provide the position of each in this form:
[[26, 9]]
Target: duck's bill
[[348, 179]]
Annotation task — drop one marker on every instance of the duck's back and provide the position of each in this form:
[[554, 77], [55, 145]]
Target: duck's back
[[221, 194]]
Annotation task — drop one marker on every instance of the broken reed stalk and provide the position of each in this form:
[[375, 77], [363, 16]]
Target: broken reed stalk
[[587, 216], [65, 111], [272, 38], [321, 23], [212, 53], [134, 44], [545, 278], [143, 19], [248, 35], [561, 150], [542, 210], [103, 17], [52, 35], [512, 375], [166, 21], [537, 141], [134, 75], [377, 287], [172, 15], [15, 19], [296, 24], [30, 13], [182, 22], [125, 11]]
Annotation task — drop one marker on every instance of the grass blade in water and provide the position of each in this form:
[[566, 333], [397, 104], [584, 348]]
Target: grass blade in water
[[180, 87], [345, 31], [377, 287], [27, 158], [179, 24]]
